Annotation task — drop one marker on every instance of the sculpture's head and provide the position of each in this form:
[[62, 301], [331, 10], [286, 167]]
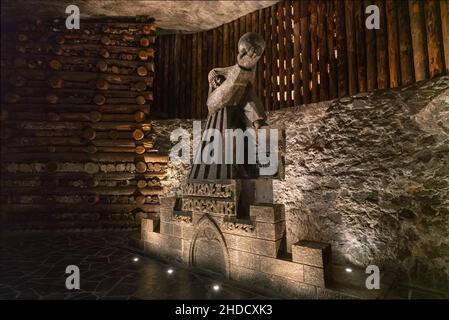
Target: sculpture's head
[[251, 40]]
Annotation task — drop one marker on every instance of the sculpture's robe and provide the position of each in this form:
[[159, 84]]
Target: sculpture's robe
[[232, 104]]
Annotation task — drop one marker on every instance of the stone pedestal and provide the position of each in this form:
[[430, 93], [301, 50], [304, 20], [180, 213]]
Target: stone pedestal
[[246, 250]]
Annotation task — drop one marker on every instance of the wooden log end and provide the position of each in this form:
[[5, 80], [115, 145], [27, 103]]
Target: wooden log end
[[115, 70], [140, 86], [104, 53], [142, 71], [146, 127], [56, 82], [99, 99], [139, 116], [55, 64], [102, 65], [93, 199], [140, 200], [113, 134], [144, 42], [141, 167], [95, 116], [91, 167], [141, 184], [52, 98], [102, 84], [140, 149], [89, 133], [91, 149], [138, 134], [140, 100], [105, 40]]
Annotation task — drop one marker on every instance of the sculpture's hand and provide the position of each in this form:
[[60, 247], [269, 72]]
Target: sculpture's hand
[[248, 59]]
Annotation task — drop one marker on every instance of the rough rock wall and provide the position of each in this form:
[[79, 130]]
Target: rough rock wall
[[368, 174], [176, 173], [177, 15]]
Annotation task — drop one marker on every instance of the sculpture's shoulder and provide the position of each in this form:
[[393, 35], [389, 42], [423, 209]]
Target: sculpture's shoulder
[[216, 72]]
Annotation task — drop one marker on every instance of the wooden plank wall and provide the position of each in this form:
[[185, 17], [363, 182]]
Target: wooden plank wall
[[77, 145], [316, 50]]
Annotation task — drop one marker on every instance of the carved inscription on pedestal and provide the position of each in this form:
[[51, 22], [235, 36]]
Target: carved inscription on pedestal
[[214, 198], [216, 190]]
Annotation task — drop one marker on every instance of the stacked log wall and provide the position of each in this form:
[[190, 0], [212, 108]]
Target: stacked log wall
[[77, 149]]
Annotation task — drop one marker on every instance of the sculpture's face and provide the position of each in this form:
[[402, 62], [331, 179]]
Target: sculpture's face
[[251, 40]]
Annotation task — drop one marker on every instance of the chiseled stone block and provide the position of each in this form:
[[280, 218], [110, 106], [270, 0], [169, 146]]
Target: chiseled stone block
[[244, 259], [293, 288], [149, 227], [186, 244], [311, 253], [153, 242], [314, 276], [253, 245], [171, 229], [168, 202], [150, 224], [271, 282], [282, 268], [328, 294], [247, 275], [173, 243], [177, 230], [302, 290], [267, 212], [144, 234], [187, 231], [166, 214], [167, 228], [270, 231], [155, 238], [166, 209]]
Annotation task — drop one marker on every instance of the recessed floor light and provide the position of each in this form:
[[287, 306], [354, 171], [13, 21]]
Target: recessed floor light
[[170, 271], [348, 270], [216, 287], [136, 259]]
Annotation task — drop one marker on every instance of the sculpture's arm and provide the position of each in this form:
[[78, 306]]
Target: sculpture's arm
[[230, 92]]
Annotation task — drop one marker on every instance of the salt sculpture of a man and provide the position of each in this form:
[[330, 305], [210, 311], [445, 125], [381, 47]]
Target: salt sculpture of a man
[[233, 104], [232, 86]]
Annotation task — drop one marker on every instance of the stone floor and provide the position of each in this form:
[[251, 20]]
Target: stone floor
[[33, 267]]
